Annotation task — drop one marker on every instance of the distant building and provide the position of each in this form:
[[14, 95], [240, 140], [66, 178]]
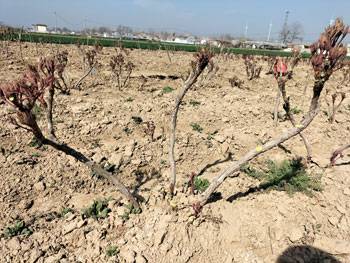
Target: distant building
[[40, 28]]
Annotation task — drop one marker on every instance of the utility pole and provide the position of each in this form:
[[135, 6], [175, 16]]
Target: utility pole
[[55, 22], [284, 29], [85, 26], [268, 36]]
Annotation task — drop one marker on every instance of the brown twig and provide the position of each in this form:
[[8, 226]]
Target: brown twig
[[326, 58], [23, 94], [197, 66]]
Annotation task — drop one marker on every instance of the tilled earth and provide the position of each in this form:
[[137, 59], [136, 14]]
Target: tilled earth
[[48, 190]]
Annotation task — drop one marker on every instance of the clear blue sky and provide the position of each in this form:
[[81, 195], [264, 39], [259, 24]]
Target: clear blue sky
[[200, 17]]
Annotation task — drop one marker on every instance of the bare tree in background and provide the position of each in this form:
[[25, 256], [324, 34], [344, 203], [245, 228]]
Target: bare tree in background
[[164, 35], [151, 33], [292, 32], [122, 30], [296, 30], [104, 29]]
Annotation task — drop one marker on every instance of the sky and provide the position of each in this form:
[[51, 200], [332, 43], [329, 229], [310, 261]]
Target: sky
[[198, 17]]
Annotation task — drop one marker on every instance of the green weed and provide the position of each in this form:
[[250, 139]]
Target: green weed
[[289, 176], [129, 99], [95, 143], [66, 211], [200, 184], [196, 127], [127, 130], [99, 209], [38, 112], [131, 210], [316, 228], [194, 103], [37, 145], [136, 119], [14, 150], [18, 229], [252, 172], [168, 89], [109, 168], [36, 155], [295, 111], [112, 251], [209, 143]]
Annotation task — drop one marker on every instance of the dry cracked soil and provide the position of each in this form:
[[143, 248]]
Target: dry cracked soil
[[48, 190]]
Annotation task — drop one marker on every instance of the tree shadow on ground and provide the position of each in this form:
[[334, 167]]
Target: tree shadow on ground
[[229, 158], [305, 254], [142, 177], [342, 164]]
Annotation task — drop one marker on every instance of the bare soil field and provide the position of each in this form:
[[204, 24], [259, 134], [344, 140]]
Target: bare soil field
[[48, 190]]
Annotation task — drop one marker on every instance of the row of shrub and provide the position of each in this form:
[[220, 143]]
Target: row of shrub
[[140, 44]]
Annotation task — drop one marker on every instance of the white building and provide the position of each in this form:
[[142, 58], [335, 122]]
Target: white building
[[40, 28]]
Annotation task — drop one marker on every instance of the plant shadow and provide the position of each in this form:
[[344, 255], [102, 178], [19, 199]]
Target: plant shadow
[[142, 177], [305, 254], [228, 158], [342, 164], [287, 181]]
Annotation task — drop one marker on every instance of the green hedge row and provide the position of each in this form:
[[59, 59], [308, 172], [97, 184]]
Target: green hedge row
[[140, 44]]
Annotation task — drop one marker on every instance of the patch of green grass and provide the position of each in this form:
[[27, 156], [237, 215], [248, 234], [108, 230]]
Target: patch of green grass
[[194, 103], [95, 143], [66, 211], [196, 127], [130, 210], [59, 121], [262, 142], [11, 110], [250, 171], [14, 150], [200, 184], [109, 167], [37, 145], [136, 119], [168, 89], [38, 112], [316, 228], [127, 130], [295, 111], [153, 90], [112, 251], [99, 209], [325, 112], [129, 99], [18, 229], [280, 116], [209, 143], [289, 176], [36, 155]]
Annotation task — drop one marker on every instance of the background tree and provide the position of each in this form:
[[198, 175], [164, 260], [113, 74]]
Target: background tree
[[122, 30], [290, 33], [104, 29]]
